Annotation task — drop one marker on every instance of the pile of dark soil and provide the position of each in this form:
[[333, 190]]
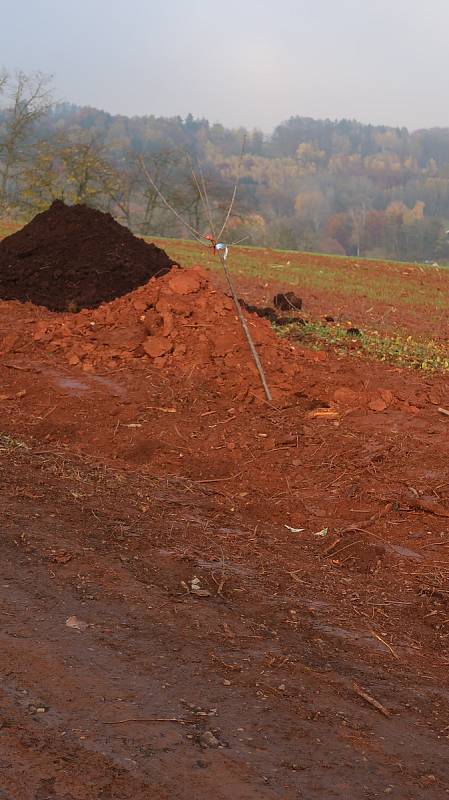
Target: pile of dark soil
[[73, 257]]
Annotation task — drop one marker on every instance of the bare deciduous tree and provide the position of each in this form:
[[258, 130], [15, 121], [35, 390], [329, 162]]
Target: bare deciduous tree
[[28, 98], [3, 79]]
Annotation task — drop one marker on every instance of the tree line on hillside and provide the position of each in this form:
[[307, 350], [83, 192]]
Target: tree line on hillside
[[317, 185]]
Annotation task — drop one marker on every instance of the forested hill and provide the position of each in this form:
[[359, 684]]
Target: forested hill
[[334, 186], [332, 137]]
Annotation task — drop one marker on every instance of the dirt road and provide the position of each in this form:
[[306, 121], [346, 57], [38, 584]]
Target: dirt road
[[260, 683]]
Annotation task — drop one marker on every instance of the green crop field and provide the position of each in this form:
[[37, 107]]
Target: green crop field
[[405, 284], [380, 281]]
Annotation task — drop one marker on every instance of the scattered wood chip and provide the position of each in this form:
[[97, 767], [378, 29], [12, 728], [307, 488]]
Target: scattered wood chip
[[76, 624], [374, 518], [151, 719], [371, 701], [194, 587], [163, 409], [62, 558], [430, 505], [332, 546], [323, 413], [388, 646], [219, 480], [233, 667], [434, 591], [201, 592], [444, 411]]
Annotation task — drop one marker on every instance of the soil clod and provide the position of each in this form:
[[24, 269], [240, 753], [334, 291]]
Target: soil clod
[[287, 301]]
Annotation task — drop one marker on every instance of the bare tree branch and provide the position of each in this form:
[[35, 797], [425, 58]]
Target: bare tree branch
[[236, 186], [29, 99], [173, 210]]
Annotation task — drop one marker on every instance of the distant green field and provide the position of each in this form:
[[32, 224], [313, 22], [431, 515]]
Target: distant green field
[[399, 349], [353, 277]]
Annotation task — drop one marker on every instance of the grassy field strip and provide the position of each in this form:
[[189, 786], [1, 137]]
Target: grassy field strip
[[402, 350], [349, 277]]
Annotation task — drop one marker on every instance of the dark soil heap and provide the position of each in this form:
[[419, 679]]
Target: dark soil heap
[[73, 257]]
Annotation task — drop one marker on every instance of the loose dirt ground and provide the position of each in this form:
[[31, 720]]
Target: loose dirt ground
[[317, 530]]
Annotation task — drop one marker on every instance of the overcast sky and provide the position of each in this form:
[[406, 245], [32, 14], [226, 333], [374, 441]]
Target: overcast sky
[[240, 62]]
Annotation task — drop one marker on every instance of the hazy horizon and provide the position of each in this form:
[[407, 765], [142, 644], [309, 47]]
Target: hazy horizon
[[243, 64]]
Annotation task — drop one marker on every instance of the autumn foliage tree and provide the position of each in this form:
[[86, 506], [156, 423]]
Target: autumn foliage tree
[[312, 184], [69, 170]]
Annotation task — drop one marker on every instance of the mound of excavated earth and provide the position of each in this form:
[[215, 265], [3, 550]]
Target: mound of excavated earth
[[178, 322], [73, 257]]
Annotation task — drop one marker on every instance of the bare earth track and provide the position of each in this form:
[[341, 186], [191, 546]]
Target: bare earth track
[[307, 661]]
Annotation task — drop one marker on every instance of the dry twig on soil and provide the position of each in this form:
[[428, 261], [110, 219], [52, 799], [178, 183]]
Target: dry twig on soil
[[379, 638], [151, 719], [371, 701]]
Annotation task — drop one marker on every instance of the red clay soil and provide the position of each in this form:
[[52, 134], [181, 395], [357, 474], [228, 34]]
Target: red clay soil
[[178, 323], [72, 257], [259, 591], [404, 309]]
